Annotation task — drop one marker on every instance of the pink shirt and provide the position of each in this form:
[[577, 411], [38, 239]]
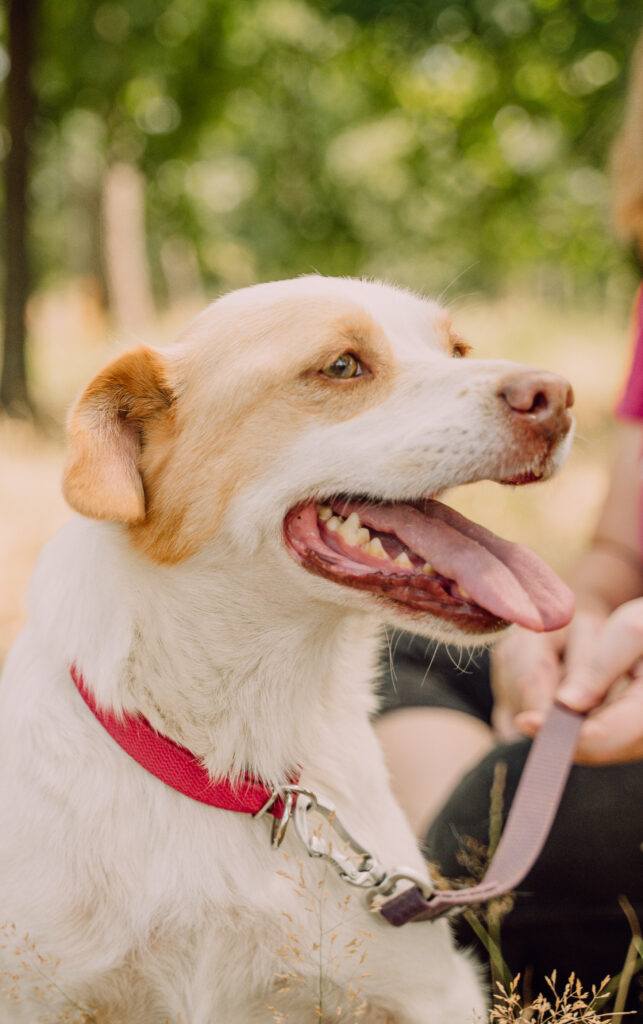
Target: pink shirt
[[630, 406]]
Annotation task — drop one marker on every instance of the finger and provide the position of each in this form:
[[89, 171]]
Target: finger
[[611, 734], [558, 640], [613, 653], [538, 681], [615, 731], [525, 670], [582, 633], [529, 722], [502, 720]]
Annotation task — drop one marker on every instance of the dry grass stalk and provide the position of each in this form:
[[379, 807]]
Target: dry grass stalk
[[39, 971], [575, 1005], [632, 959], [486, 920], [332, 954]]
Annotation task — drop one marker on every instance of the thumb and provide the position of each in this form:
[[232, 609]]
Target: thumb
[[611, 654], [529, 722]]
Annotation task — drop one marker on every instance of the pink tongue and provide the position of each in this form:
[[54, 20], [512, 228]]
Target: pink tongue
[[505, 578]]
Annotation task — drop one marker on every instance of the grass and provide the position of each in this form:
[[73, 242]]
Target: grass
[[39, 970], [573, 1004], [510, 1005], [332, 955]]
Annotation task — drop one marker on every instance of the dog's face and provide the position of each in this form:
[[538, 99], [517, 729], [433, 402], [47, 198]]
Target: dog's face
[[309, 425]]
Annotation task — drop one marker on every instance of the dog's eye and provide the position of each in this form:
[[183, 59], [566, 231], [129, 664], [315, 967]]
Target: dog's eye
[[346, 365], [459, 347]]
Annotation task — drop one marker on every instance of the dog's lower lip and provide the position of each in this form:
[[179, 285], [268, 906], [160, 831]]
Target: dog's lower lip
[[521, 478], [540, 468]]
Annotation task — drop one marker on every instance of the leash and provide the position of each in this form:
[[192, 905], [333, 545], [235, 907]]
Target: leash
[[400, 894], [530, 819]]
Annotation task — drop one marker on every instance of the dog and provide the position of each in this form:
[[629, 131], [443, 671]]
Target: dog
[[254, 502]]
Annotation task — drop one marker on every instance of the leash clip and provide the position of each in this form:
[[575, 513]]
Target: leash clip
[[390, 884], [353, 863], [279, 822]]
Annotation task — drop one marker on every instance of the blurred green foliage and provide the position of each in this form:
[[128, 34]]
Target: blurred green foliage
[[415, 140]]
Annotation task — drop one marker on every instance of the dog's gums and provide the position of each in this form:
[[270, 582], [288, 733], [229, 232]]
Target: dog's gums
[[429, 558]]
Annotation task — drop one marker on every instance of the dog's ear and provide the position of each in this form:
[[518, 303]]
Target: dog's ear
[[106, 427]]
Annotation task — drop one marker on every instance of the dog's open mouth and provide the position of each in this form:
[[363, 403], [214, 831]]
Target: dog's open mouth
[[431, 559]]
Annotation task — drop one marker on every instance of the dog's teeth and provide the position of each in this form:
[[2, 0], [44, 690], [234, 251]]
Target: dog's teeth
[[375, 549], [403, 560], [461, 592], [350, 528], [324, 512], [428, 569], [363, 536], [334, 523]]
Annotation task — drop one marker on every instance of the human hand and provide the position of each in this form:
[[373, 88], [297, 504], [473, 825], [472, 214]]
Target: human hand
[[604, 676], [526, 668]]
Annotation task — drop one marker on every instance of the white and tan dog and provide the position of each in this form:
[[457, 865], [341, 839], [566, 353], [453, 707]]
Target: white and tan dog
[[254, 503]]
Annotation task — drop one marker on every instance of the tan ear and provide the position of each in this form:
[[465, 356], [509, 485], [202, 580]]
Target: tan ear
[[102, 479]]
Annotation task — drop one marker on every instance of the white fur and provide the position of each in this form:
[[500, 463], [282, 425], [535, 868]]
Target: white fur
[[159, 908]]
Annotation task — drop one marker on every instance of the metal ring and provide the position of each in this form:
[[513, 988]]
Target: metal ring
[[279, 825]]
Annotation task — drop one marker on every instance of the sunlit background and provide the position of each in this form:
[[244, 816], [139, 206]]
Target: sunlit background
[[178, 150]]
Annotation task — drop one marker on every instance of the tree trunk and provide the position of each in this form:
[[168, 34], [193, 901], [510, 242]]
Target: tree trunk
[[14, 393], [128, 275]]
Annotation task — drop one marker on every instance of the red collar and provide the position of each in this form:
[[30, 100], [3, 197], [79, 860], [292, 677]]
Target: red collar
[[176, 766]]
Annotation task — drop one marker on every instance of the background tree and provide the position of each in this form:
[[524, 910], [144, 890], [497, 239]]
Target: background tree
[[416, 140], [14, 394]]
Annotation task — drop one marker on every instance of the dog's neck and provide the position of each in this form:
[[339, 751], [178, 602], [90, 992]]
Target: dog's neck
[[239, 671], [252, 684]]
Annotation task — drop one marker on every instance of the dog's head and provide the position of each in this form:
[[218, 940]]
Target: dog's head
[[308, 426]]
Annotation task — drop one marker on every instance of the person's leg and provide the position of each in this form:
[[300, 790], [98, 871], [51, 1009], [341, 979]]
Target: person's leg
[[566, 914], [427, 751]]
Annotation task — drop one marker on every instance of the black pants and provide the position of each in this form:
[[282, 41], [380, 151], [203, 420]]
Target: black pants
[[566, 915]]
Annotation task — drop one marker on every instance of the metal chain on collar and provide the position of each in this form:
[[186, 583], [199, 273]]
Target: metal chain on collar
[[353, 863]]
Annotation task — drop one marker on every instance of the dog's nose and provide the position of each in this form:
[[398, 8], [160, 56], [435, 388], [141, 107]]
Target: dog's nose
[[543, 398]]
